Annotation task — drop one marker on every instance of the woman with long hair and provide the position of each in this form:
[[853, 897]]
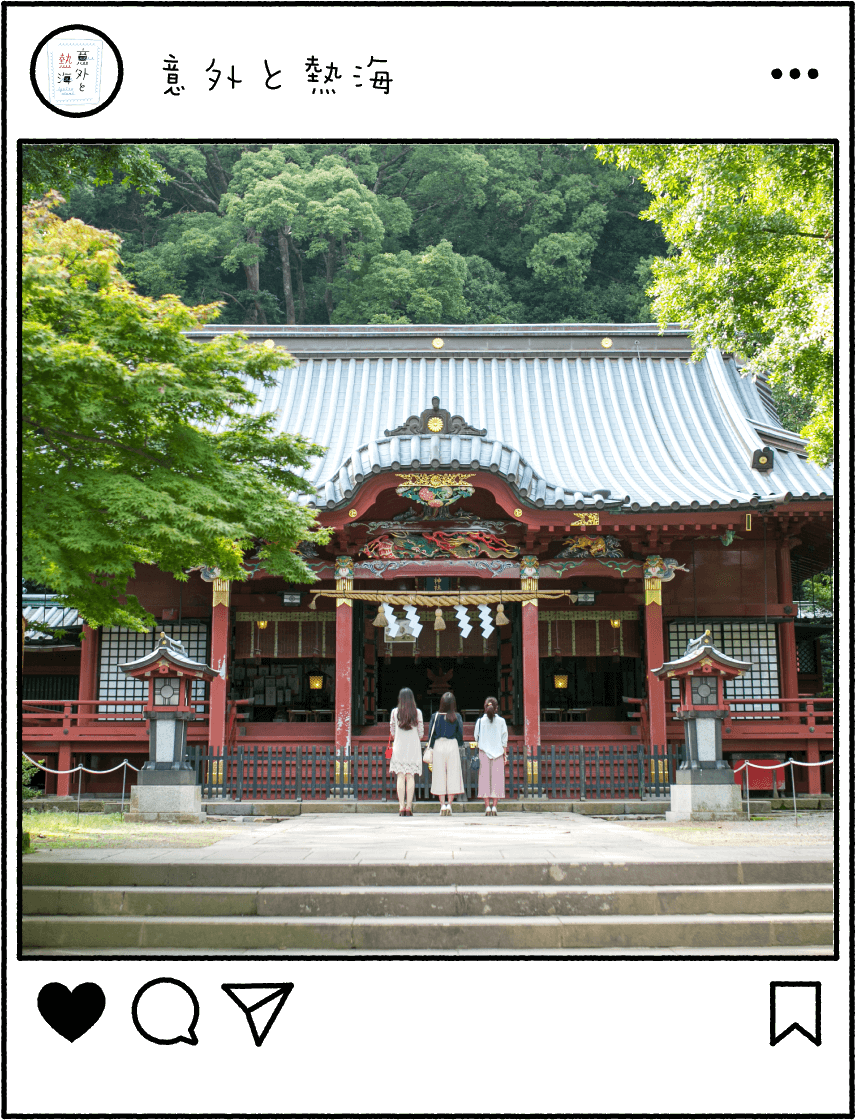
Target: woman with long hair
[[491, 734], [406, 727], [447, 732]]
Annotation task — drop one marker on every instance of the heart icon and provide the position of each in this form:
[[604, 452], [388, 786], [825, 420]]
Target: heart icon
[[71, 1013]]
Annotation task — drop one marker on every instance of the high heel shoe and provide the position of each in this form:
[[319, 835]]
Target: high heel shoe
[[408, 812], [402, 813]]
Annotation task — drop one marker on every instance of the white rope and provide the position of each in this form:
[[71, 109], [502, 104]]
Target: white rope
[[80, 766], [792, 762], [779, 765]]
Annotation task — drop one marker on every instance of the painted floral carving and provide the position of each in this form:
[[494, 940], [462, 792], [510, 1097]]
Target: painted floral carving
[[437, 495]]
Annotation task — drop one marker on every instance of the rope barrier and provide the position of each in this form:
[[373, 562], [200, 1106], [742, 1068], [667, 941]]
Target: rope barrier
[[792, 762], [124, 766]]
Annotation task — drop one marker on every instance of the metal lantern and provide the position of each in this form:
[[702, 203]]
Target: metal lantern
[[316, 681], [560, 680]]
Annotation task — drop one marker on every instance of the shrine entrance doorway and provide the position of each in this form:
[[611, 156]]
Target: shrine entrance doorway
[[471, 679]]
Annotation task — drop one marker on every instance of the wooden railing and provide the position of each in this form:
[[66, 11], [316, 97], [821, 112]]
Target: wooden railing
[[780, 714], [641, 715], [232, 717], [66, 714], [755, 717]]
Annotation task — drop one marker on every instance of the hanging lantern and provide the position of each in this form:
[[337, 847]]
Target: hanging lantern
[[380, 618], [560, 680], [501, 619], [262, 624], [439, 623], [316, 681]]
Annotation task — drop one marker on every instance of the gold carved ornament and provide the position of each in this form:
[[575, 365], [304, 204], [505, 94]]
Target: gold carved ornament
[[653, 591], [434, 479], [220, 595]]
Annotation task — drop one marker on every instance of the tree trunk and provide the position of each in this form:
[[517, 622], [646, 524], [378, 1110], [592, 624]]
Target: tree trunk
[[331, 270], [301, 291], [251, 271], [282, 233]]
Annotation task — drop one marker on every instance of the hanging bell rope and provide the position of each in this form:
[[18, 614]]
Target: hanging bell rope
[[380, 618], [439, 623], [441, 598]]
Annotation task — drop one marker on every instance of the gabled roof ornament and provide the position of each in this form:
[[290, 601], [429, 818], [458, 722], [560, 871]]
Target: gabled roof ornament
[[435, 421]]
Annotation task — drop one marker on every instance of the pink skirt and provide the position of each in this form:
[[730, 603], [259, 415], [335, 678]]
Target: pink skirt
[[491, 776]]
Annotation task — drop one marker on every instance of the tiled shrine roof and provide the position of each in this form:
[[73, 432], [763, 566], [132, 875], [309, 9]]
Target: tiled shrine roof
[[564, 416]]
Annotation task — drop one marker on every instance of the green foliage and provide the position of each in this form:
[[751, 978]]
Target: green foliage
[[403, 288], [134, 446], [60, 167], [314, 233], [29, 770], [751, 261]]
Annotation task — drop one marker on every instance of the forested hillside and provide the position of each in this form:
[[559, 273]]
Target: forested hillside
[[386, 233]]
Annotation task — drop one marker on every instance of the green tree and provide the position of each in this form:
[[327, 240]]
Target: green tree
[[427, 287], [751, 261], [59, 167], [137, 447], [280, 233]]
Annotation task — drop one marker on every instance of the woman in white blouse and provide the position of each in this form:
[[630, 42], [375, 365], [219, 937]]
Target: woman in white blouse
[[406, 727], [491, 734]]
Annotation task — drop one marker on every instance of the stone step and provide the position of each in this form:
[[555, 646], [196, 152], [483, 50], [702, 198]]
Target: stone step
[[660, 953], [431, 902], [38, 871], [429, 934]]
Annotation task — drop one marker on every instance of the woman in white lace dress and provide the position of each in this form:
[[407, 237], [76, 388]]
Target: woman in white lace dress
[[406, 727]]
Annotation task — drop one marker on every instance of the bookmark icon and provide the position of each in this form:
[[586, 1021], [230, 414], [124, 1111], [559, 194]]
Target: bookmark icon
[[261, 1003], [794, 1007]]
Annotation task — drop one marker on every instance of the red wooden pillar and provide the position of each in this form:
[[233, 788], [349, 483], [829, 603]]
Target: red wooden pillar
[[788, 668], [531, 666], [88, 686], [344, 571], [788, 665], [63, 762], [221, 629], [655, 657]]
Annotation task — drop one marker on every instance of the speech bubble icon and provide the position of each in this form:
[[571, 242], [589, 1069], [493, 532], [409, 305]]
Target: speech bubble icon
[[165, 1007]]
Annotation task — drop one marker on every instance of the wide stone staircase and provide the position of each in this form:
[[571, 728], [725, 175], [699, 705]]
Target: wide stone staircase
[[427, 908]]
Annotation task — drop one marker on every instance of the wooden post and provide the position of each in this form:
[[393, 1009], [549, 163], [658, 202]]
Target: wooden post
[[531, 667], [812, 754], [88, 687], [63, 781], [344, 571], [788, 667], [221, 628], [655, 657]]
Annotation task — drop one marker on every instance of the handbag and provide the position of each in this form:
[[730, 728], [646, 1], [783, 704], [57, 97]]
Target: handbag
[[428, 753], [475, 761], [388, 751]]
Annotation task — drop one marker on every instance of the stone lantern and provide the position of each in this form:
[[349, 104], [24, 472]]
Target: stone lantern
[[704, 786], [167, 787]]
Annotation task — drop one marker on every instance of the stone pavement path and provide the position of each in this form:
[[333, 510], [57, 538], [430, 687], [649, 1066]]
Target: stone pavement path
[[540, 837]]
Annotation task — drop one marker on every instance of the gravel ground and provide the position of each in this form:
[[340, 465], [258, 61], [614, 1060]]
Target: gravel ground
[[811, 828]]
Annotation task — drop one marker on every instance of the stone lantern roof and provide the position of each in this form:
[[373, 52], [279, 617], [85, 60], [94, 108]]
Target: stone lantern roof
[[168, 654], [701, 656]]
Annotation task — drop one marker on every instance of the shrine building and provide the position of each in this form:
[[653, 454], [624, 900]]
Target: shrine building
[[541, 513]]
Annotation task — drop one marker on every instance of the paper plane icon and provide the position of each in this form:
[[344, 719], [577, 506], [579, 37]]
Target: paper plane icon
[[261, 1003]]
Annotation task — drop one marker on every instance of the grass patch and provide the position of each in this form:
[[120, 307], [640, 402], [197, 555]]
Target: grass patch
[[50, 831]]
